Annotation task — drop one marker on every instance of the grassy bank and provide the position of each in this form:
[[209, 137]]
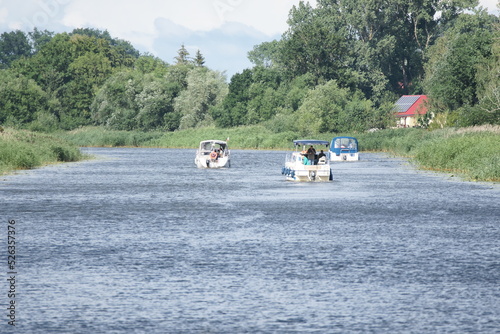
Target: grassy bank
[[20, 149], [471, 152]]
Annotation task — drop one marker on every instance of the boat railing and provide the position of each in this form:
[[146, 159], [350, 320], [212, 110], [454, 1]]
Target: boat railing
[[297, 157]]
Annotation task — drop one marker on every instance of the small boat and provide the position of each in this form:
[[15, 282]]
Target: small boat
[[212, 154], [309, 162], [344, 149]]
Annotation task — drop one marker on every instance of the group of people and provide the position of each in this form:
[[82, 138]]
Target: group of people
[[310, 156]]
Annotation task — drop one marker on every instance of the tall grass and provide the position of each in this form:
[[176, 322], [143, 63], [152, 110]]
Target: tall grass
[[471, 152], [21, 149]]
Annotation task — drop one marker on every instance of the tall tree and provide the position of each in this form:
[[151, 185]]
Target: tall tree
[[199, 60], [206, 89], [182, 57], [39, 38], [13, 45], [452, 68], [21, 98]]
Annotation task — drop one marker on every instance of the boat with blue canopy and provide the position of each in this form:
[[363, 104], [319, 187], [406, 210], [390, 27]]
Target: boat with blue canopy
[[309, 161], [344, 149]]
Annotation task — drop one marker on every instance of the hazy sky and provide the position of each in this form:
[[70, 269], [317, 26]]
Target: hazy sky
[[223, 30]]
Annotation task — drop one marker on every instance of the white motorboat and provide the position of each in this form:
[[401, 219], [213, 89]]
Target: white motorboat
[[212, 154], [309, 162], [344, 149]]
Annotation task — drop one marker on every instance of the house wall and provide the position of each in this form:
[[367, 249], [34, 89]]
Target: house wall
[[407, 122]]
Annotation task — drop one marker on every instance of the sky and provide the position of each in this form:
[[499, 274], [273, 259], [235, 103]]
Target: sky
[[223, 30]]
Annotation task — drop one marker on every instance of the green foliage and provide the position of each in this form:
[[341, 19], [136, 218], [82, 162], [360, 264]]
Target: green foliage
[[451, 72], [13, 45], [372, 50], [329, 108], [20, 149], [131, 100], [475, 154], [182, 57], [70, 69], [245, 137], [147, 64], [199, 60], [234, 107], [20, 99], [205, 89]]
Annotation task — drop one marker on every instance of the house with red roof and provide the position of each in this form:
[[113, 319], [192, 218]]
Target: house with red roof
[[408, 109]]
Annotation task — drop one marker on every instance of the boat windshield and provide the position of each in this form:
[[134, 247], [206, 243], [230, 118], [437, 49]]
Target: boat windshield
[[210, 145], [345, 142]]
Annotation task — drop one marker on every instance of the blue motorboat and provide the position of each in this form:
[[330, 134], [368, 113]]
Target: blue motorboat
[[344, 149]]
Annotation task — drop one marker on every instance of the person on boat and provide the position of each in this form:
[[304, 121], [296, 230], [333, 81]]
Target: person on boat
[[214, 155], [305, 161], [311, 154], [319, 156]]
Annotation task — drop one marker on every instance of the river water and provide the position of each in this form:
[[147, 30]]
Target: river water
[[141, 241]]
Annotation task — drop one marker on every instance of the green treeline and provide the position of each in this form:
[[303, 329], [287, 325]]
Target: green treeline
[[339, 67]]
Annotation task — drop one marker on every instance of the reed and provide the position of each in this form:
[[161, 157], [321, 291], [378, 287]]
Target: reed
[[21, 149], [473, 153]]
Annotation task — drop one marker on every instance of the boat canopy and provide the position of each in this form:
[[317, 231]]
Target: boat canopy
[[344, 144], [311, 142], [210, 144]]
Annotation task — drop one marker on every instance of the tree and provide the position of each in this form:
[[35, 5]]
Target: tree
[[148, 63], [233, 110], [115, 104], [488, 83], [370, 45], [206, 89], [131, 100], [329, 108], [13, 45], [264, 54], [452, 68], [199, 60], [39, 38], [182, 57], [21, 98]]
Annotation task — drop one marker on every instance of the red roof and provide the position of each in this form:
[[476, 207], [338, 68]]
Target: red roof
[[410, 105]]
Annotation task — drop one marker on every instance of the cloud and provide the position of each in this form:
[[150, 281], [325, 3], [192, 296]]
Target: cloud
[[224, 48], [491, 5]]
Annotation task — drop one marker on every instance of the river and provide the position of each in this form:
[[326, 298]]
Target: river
[[141, 241]]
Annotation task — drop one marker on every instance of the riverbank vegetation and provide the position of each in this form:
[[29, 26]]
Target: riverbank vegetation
[[336, 69], [472, 153], [22, 149]]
